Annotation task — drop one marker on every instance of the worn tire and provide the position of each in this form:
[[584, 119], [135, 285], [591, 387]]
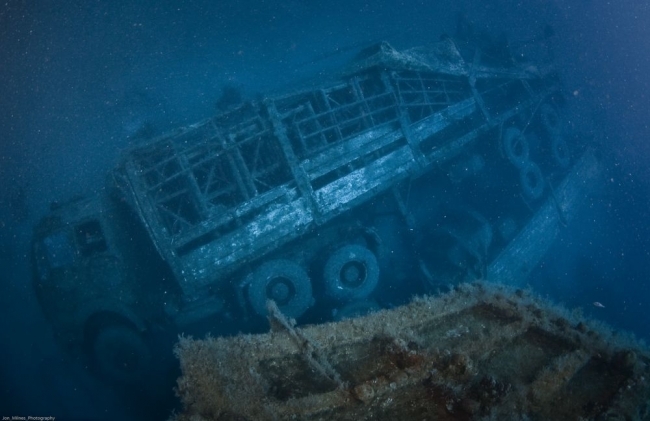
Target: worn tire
[[121, 355], [550, 120], [516, 147], [532, 181], [351, 273], [284, 282], [560, 151]]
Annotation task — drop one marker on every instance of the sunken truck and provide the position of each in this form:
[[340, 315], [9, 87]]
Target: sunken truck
[[406, 173]]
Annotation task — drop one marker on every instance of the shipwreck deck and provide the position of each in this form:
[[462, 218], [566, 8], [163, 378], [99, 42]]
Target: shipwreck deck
[[480, 352]]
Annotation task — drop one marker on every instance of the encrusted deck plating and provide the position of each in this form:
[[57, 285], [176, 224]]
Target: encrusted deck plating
[[480, 352]]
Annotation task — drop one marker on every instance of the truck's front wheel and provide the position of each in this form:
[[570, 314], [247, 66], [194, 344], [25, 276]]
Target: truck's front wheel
[[121, 355], [284, 282]]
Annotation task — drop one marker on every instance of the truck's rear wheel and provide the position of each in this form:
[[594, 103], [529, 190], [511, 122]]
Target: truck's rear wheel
[[456, 250], [284, 282], [351, 273], [121, 355], [550, 120], [516, 147], [560, 151], [532, 181]]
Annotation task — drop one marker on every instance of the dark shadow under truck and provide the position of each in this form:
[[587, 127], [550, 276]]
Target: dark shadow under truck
[[409, 172]]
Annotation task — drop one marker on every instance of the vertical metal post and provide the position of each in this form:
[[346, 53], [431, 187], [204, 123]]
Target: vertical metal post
[[405, 125], [299, 174]]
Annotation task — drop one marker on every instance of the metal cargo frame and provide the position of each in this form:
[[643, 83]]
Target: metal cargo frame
[[221, 193]]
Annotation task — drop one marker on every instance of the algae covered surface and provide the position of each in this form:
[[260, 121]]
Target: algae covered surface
[[481, 351]]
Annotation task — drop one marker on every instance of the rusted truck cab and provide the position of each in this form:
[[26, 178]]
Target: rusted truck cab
[[100, 284]]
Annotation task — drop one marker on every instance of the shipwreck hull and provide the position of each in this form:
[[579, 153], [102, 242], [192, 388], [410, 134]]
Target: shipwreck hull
[[480, 352]]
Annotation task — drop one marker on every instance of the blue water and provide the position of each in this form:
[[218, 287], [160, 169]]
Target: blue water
[[80, 79]]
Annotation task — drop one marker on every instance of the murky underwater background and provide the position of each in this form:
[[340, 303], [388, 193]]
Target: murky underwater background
[[78, 79]]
